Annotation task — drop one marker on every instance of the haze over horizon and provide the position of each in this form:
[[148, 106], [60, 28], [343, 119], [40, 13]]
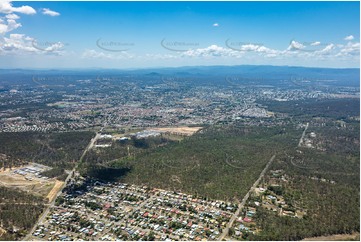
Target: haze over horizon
[[138, 35]]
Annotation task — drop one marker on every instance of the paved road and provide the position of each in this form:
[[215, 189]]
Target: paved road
[[303, 135], [52, 203], [244, 200]]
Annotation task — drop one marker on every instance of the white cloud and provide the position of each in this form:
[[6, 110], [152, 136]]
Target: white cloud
[[216, 25], [93, 54], [351, 49], [15, 44], [241, 51], [55, 47], [249, 47], [7, 8], [3, 28], [9, 26], [8, 18], [47, 11], [161, 56], [20, 44], [294, 45], [258, 49], [211, 51], [327, 50], [12, 16], [316, 43], [350, 37]]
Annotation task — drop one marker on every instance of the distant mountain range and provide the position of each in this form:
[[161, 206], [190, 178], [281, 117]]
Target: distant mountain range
[[343, 76]]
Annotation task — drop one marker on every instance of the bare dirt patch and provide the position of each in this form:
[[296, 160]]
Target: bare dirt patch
[[36, 186], [55, 190], [14, 180], [2, 231], [3, 169], [178, 130]]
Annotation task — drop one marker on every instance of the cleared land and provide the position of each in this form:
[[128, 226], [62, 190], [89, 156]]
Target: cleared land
[[3, 169], [55, 190], [36, 186], [2, 231], [178, 130]]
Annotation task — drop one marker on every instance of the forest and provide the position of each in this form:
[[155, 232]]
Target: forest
[[221, 162], [304, 109], [325, 178], [18, 212], [52, 149]]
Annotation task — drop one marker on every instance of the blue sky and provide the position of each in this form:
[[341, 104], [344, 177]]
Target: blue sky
[[160, 34]]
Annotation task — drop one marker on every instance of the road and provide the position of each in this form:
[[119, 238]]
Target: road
[[303, 135], [52, 203], [244, 200]]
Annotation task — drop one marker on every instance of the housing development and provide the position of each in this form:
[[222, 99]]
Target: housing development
[[124, 102], [179, 120], [150, 156]]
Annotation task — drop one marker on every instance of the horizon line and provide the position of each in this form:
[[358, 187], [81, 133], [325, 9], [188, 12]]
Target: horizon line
[[168, 67]]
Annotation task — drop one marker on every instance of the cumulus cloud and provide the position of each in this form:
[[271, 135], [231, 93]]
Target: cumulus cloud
[[55, 47], [327, 50], [161, 56], [249, 47], [20, 44], [210, 51], [316, 43], [93, 54], [12, 16], [351, 49], [294, 45], [258, 49], [8, 18], [7, 8], [8, 26], [216, 25], [47, 11], [350, 37], [215, 51], [16, 43]]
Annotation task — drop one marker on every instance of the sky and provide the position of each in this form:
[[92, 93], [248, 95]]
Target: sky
[[168, 34]]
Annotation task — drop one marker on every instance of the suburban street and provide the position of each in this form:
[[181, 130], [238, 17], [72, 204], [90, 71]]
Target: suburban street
[[51, 204]]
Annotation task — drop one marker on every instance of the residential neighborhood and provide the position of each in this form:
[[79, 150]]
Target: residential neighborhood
[[116, 211]]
